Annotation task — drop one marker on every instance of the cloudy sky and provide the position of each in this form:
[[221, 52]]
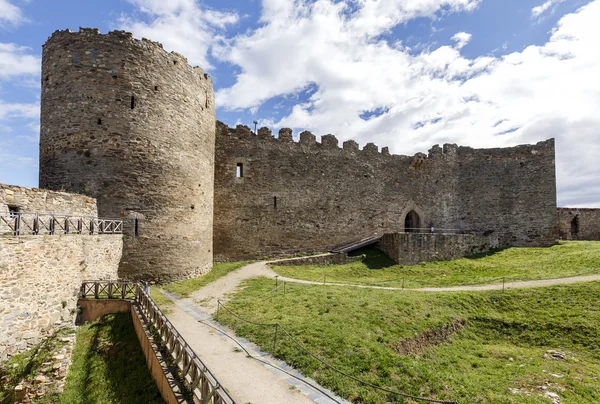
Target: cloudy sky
[[406, 74]]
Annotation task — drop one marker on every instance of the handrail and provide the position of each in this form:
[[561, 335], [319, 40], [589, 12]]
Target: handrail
[[23, 223], [198, 377]]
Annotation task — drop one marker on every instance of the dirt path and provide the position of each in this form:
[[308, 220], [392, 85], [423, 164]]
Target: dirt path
[[228, 284], [218, 289], [247, 380]]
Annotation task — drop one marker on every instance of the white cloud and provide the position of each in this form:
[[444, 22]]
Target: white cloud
[[10, 15], [17, 61], [12, 111], [541, 9], [461, 39], [183, 26], [436, 96]]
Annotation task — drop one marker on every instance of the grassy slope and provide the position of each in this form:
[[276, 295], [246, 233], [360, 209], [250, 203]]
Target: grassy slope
[[109, 365], [565, 259], [26, 366], [355, 329]]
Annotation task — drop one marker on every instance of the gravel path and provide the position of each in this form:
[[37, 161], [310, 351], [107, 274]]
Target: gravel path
[[247, 380], [228, 284]]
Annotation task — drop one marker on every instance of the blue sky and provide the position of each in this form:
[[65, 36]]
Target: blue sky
[[406, 74]]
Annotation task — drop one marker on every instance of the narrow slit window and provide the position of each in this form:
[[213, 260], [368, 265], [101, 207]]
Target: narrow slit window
[[132, 102], [155, 88], [239, 172], [136, 229], [99, 121], [275, 202]]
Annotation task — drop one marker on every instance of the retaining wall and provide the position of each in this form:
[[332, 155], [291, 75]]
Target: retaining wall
[[40, 277], [413, 248]]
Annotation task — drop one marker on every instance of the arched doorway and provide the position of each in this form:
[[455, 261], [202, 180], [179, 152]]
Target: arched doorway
[[575, 227], [412, 222]]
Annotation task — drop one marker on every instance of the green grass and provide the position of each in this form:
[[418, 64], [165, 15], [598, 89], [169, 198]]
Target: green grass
[[219, 269], [500, 346], [27, 365], [565, 259], [164, 303], [109, 365]]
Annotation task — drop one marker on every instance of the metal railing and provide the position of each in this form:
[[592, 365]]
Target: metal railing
[[198, 377], [46, 224]]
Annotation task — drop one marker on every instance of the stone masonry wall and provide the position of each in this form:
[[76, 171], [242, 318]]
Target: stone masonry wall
[[40, 277], [510, 190], [579, 224], [42, 201], [413, 248], [133, 126], [310, 196]]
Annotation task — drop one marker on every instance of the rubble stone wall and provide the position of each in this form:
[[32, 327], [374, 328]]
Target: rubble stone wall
[[413, 248], [40, 277], [300, 196], [578, 224], [45, 202], [132, 125]]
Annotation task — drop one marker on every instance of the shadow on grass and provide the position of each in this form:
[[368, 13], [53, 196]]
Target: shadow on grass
[[109, 365], [374, 258], [486, 254]]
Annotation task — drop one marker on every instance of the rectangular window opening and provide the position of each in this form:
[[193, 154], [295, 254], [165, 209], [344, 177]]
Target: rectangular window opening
[[136, 229], [132, 102], [13, 211], [239, 173], [275, 202]]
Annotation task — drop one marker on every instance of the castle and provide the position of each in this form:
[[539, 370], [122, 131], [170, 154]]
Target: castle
[[133, 126]]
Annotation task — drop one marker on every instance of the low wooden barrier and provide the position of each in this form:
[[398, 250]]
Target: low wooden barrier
[[197, 377]]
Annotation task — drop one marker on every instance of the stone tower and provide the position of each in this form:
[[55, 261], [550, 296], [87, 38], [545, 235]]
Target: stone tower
[[132, 125]]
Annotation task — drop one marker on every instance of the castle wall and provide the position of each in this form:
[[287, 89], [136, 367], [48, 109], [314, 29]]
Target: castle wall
[[42, 201], [132, 125], [325, 195], [40, 277], [310, 196], [511, 190], [579, 224], [413, 248]]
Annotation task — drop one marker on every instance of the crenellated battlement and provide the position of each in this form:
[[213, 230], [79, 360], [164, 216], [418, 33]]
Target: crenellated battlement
[[124, 38], [308, 141]]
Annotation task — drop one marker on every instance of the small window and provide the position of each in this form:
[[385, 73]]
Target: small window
[[99, 121], [132, 102], [275, 202], [155, 88], [13, 211], [136, 229], [174, 62], [239, 173]]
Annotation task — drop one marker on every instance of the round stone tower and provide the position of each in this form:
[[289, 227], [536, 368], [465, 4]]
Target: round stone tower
[[132, 125]]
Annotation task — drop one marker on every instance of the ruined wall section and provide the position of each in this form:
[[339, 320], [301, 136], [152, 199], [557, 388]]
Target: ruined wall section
[[579, 224], [132, 125], [311, 196], [41, 201], [509, 190]]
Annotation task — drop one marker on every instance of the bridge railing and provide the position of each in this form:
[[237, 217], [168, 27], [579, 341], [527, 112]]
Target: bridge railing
[[198, 377], [22, 223]]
